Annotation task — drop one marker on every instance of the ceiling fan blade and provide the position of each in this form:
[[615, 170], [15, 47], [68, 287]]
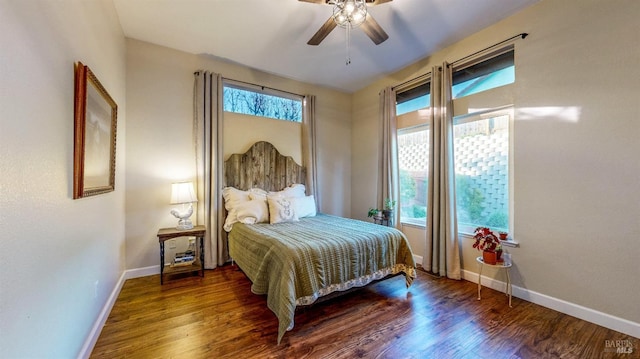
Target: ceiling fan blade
[[324, 30], [329, 2], [373, 30]]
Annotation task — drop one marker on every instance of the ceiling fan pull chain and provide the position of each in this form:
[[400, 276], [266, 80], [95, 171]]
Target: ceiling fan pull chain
[[348, 44]]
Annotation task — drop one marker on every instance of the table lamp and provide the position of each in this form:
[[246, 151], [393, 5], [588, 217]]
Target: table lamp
[[183, 193]]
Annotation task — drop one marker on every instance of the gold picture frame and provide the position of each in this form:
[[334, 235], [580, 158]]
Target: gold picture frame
[[95, 123]]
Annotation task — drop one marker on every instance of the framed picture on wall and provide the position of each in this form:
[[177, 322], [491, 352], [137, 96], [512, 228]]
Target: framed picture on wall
[[94, 150]]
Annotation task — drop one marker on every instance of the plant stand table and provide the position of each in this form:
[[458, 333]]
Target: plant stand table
[[385, 221], [502, 265]]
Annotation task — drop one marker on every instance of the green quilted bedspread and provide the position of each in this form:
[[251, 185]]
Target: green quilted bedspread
[[295, 263]]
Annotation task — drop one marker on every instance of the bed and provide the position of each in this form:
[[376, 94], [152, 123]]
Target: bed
[[294, 255]]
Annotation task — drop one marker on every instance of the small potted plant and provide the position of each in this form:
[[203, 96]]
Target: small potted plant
[[503, 235], [388, 208], [374, 212], [488, 243]]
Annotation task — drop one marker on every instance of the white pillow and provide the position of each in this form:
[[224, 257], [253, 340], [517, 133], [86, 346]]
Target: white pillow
[[281, 210], [304, 206], [233, 197], [252, 212], [295, 190], [259, 196]]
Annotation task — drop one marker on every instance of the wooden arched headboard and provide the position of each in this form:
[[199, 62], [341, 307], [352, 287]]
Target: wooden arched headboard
[[262, 166]]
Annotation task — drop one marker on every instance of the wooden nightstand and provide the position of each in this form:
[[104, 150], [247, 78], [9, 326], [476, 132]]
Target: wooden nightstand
[[165, 234]]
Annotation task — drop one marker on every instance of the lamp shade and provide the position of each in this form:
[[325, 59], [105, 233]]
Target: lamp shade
[[182, 192]]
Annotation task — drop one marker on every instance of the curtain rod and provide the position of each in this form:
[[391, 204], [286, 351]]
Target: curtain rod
[[410, 80], [264, 87], [522, 35], [260, 86]]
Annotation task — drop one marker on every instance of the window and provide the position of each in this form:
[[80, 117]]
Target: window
[[496, 71], [413, 99], [413, 163], [259, 101], [482, 143], [412, 103], [482, 155]]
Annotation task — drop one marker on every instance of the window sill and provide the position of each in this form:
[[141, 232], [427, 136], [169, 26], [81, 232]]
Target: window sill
[[414, 225], [508, 243]]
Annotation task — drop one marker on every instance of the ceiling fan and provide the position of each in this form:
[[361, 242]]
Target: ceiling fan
[[368, 24]]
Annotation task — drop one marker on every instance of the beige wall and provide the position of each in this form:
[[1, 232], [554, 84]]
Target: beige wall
[[577, 208], [159, 141], [61, 258]]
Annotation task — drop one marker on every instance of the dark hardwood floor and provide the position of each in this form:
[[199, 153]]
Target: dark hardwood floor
[[218, 317]]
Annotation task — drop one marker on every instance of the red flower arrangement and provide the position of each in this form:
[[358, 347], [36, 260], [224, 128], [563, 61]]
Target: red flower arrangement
[[489, 244], [485, 240]]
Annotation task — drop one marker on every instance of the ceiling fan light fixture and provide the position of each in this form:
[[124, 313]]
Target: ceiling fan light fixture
[[349, 13], [349, 6], [359, 17]]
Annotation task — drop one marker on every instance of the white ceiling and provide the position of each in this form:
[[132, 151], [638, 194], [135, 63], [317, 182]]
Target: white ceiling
[[272, 35]]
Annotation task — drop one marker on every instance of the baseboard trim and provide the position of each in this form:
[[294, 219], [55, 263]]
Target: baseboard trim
[[142, 272], [590, 315], [93, 336]]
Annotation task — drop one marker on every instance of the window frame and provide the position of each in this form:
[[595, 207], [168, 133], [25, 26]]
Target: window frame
[[262, 90], [509, 111], [473, 109], [412, 129], [415, 120], [496, 57], [418, 88]]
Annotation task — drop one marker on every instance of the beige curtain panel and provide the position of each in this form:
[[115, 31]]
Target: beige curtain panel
[[442, 251], [309, 153], [388, 178], [207, 129]]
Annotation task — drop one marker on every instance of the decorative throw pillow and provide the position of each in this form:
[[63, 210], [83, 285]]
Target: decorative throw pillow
[[233, 197], [252, 212], [295, 190], [259, 196], [281, 210], [304, 206]]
